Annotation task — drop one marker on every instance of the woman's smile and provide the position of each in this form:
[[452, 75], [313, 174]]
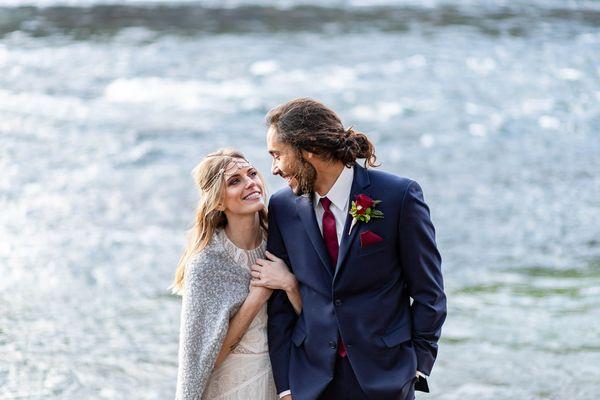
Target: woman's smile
[[252, 196]]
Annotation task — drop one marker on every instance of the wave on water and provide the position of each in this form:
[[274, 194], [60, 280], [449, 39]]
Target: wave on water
[[587, 4], [106, 107], [82, 19]]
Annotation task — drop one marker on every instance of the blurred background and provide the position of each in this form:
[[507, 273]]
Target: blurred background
[[106, 106]]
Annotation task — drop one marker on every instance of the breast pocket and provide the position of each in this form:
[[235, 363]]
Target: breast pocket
[[374, 248]]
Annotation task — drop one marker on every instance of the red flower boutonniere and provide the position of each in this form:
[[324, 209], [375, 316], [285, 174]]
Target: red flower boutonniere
[[363, 209]]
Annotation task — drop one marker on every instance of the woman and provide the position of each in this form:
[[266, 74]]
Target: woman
[[223, 351]]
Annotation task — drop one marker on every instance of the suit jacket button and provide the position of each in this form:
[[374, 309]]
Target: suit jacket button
[[332, 344], [338, 302]]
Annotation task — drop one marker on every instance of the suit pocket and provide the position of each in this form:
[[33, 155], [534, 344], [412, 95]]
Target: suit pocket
[[374, 248], [298, 336], [400, 335]]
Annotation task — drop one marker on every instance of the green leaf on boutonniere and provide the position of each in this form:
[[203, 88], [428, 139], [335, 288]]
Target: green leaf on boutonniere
[[363, 209]]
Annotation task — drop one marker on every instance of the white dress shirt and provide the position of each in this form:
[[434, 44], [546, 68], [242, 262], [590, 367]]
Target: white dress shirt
[[339, 194]]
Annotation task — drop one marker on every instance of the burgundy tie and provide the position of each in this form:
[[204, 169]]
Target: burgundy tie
[[333, 248]]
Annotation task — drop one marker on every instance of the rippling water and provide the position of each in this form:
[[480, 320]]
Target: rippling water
[[105, 109]]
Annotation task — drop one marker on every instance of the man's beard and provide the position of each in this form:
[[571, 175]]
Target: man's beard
[[305, 176]]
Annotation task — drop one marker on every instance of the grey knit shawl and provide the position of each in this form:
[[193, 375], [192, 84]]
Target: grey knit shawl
[[214, 289]]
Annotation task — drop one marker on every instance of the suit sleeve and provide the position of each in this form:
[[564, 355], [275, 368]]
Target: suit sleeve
[[421, 263], [282, 317]]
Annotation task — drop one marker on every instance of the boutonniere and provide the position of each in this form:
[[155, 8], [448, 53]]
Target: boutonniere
[[363, 209]]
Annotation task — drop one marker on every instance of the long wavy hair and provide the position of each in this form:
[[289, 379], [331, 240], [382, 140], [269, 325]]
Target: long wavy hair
[[210, 179], [307, 124]]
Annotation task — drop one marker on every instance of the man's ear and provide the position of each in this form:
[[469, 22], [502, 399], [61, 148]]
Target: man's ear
[[308, 155]]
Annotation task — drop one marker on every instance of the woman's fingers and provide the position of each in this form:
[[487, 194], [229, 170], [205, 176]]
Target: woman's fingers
[[261, 261], [255, 267], [256, 282], [272, 256], [255, 274]]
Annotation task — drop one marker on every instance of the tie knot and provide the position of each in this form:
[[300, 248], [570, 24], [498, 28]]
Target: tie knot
[[325, 202]]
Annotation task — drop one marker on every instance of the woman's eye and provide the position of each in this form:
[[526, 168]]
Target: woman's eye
[[253, 173], [234, 181]]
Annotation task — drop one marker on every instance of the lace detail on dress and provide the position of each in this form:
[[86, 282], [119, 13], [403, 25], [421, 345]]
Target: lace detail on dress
[[242, 257], [242, 377], [241, 350], [246, 372], [254, 340]]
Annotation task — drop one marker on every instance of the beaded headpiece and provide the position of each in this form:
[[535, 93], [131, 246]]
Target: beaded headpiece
[[230, 169]]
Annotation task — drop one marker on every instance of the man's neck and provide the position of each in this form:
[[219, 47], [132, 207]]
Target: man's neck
[[327, 175]]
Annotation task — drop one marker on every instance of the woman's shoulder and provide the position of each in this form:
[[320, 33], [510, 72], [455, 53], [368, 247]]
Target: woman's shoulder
[[213, 253], [212, 267]]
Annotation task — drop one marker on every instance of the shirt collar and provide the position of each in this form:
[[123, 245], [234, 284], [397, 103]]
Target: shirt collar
[[340, 191]]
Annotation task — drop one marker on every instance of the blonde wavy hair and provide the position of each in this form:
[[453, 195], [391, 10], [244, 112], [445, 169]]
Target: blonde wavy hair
[[210, 179]]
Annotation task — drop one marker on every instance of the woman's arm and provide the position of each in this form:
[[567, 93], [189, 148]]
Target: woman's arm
[[242, 319], [293, 294], [273, 273], [202, 328]]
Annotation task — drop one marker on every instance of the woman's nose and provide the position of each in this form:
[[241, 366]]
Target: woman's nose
[[250, 182]]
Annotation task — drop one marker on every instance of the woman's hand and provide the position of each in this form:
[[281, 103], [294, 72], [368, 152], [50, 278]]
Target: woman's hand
[[273, 273], [259, 294]]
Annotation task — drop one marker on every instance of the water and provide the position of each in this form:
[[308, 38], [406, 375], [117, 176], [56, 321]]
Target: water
[[105, 109]]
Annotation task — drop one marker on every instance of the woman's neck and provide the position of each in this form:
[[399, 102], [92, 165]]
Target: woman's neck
[[244, 230]]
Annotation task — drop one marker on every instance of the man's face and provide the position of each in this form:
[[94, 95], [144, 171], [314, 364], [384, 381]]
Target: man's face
[[287, 163]]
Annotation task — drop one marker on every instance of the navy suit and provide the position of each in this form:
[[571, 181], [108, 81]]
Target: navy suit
[[365, 298]]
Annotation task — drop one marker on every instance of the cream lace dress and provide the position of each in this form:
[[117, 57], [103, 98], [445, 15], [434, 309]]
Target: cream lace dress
[[246, 372]]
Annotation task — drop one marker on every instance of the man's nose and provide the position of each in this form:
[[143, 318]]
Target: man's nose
[[275, 169]]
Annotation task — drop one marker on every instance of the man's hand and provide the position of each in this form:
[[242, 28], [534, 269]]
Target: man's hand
[[287, 397]]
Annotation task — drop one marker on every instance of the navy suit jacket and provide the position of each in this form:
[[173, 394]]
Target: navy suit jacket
[[365, 298]]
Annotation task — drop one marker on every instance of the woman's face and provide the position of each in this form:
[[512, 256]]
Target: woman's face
[[244, 189]]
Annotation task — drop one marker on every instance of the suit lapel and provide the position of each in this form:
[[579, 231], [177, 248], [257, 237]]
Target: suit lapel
[[360, 182], [306, 212]]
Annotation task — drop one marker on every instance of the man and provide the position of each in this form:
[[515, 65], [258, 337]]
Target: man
[[361, 245]]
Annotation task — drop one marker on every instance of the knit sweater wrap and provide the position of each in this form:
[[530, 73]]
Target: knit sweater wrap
[[215, 286]]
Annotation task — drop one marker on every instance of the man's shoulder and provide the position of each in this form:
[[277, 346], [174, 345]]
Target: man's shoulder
[[282, 196], [389, 180]]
